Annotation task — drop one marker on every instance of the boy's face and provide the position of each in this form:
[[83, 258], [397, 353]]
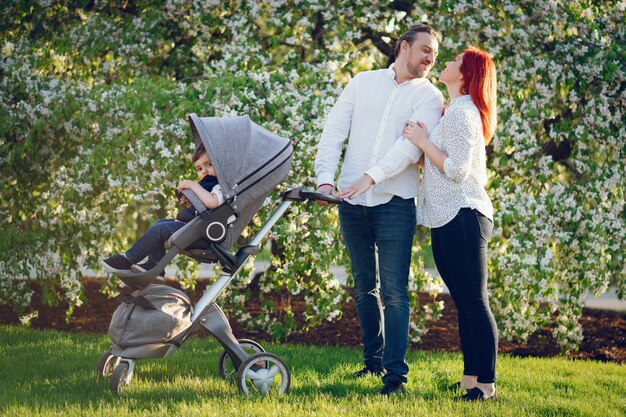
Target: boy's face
[[203, 166]]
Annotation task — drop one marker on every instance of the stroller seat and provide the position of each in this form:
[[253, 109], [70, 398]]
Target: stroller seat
[[210, 227], [205, 256], [249, 162]]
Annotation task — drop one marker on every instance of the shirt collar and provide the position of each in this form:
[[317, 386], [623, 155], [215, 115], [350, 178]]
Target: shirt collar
[[466, 98], [390, 72]]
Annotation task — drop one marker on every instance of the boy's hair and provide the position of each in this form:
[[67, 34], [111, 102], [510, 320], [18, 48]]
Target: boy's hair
[[198, 153]]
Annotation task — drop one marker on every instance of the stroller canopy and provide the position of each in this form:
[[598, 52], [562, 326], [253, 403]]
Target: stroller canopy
[[249, 162]]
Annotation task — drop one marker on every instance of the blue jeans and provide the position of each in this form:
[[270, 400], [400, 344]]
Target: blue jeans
[[390, 228], [152, 243], [460, 252]]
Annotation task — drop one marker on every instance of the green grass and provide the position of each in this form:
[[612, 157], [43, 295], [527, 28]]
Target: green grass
[[49, 373]]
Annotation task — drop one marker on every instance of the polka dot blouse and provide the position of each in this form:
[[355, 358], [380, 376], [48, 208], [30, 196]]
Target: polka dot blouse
[[459, 134]]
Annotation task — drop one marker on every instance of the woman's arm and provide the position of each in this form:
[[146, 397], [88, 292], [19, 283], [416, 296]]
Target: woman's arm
[[458, 137], [418, 135]]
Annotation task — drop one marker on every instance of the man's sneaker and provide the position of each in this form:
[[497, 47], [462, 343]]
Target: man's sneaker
[[392, 387], [117, 264], [146, 266], [367, 372]]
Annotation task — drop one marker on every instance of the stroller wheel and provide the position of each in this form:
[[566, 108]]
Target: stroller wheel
[[263, 373], [106, 364], [225, 365], [121, 377]]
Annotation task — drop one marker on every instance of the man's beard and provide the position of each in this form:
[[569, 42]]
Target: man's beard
[[418, 71]]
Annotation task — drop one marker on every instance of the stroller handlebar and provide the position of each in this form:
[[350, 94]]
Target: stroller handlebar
[[300, 194]]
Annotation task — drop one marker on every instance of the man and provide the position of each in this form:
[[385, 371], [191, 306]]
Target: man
[[372, 112]]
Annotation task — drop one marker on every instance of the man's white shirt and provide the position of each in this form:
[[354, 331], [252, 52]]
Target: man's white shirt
[[371, 112]]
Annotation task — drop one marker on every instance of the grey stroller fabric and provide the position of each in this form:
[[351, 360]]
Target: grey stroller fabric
[[249, 162], [155, 314]]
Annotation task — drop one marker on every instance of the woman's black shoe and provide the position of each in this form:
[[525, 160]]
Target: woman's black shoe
[[475, 394], [457, 387]]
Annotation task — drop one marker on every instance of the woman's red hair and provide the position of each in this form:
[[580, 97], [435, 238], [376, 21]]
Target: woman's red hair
[[479, 81]]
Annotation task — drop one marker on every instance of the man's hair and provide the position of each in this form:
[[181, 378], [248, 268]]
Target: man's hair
[[197, 153], [411, 34]]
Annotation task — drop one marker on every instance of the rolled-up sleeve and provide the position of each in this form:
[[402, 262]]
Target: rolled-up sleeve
[[459, 138], [335, 132], [217, 190], [395, 161]]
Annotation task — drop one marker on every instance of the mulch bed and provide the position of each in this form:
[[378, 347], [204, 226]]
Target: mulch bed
[[604, 331]]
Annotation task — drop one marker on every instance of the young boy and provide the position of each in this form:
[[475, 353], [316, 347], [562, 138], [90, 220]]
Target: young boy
[[151, 244]]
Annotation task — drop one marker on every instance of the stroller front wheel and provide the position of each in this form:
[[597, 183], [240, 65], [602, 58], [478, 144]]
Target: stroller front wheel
[[263, 373], [121, 377], [106, 363], [225, 364]]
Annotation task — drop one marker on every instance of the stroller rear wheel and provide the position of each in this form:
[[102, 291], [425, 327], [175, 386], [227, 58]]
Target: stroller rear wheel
[[106, 363], [263, 373], [121, 377], [225, 365]]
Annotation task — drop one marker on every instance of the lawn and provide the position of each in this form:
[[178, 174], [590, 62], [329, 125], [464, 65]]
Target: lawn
[[49, 373]]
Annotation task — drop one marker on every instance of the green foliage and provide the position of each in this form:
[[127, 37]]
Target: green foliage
[[93, 137]]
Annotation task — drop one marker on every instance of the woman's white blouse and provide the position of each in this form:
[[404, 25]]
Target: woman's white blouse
[[460, 135]]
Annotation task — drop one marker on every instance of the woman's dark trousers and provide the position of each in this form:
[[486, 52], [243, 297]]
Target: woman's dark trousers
[[460, 251]]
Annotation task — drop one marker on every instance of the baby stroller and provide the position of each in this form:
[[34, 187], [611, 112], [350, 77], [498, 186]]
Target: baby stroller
[[249, 161]]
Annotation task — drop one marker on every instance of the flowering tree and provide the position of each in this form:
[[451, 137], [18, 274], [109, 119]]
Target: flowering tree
[[94, 137]]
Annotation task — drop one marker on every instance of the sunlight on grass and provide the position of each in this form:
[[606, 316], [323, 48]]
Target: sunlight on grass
[[49, 373]]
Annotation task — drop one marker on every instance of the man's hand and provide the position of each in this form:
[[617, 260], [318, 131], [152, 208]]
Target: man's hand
[[358, 188], [325, 189]]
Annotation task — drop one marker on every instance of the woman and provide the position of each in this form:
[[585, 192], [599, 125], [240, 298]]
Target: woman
[[458, 211]]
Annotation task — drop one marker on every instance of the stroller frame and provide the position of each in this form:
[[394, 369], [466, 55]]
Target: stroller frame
[[256, 371]]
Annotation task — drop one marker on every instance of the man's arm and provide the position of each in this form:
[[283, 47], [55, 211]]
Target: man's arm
[[334, 135], [403, 153]]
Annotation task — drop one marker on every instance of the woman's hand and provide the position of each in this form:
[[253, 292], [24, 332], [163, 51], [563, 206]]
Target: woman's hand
[[358, 188], [416, 133]]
